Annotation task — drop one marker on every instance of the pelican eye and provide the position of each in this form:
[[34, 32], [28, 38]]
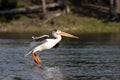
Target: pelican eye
[[58, 32]]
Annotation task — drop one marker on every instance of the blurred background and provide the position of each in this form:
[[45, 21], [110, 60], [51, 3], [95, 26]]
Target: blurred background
[[96, 16], [95, 56]]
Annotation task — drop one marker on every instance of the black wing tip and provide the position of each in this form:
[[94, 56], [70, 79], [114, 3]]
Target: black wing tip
[[56, 46]]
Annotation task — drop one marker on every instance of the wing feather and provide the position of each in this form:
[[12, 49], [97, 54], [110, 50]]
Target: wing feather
[[38, 40], [35, 42]]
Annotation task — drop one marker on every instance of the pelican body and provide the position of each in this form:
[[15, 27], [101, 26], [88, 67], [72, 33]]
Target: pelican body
[[43, 43]]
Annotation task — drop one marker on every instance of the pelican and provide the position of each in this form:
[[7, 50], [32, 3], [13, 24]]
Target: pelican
[[43, 43]]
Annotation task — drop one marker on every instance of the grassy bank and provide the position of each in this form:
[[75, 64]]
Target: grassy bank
[[70, 23]]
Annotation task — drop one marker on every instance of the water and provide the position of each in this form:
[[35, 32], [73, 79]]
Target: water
[[92, 57]]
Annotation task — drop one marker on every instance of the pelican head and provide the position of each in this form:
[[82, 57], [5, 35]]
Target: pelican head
[[61, 33]]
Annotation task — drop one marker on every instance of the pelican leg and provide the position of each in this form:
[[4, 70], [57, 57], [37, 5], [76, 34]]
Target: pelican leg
[[36, 58]]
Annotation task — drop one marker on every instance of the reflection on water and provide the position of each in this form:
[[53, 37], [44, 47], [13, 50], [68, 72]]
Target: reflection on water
[[53, 73], [92, 57]]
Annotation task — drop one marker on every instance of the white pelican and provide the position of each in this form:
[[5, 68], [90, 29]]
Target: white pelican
[[43, 43]]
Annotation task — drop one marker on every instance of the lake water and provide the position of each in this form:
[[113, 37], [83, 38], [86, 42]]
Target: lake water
[[92, 57]]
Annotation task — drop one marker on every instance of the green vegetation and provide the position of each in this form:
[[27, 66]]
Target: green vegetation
[[71, 23], [80, 21]]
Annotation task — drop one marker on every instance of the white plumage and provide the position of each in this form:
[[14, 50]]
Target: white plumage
[[43, 43]]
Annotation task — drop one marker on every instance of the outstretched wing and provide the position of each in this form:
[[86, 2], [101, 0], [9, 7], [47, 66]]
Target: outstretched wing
[[35, 42], [38, 40]]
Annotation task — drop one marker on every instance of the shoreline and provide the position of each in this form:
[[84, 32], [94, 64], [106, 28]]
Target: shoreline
[[70, 30], [69, 23], [15, 35]]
